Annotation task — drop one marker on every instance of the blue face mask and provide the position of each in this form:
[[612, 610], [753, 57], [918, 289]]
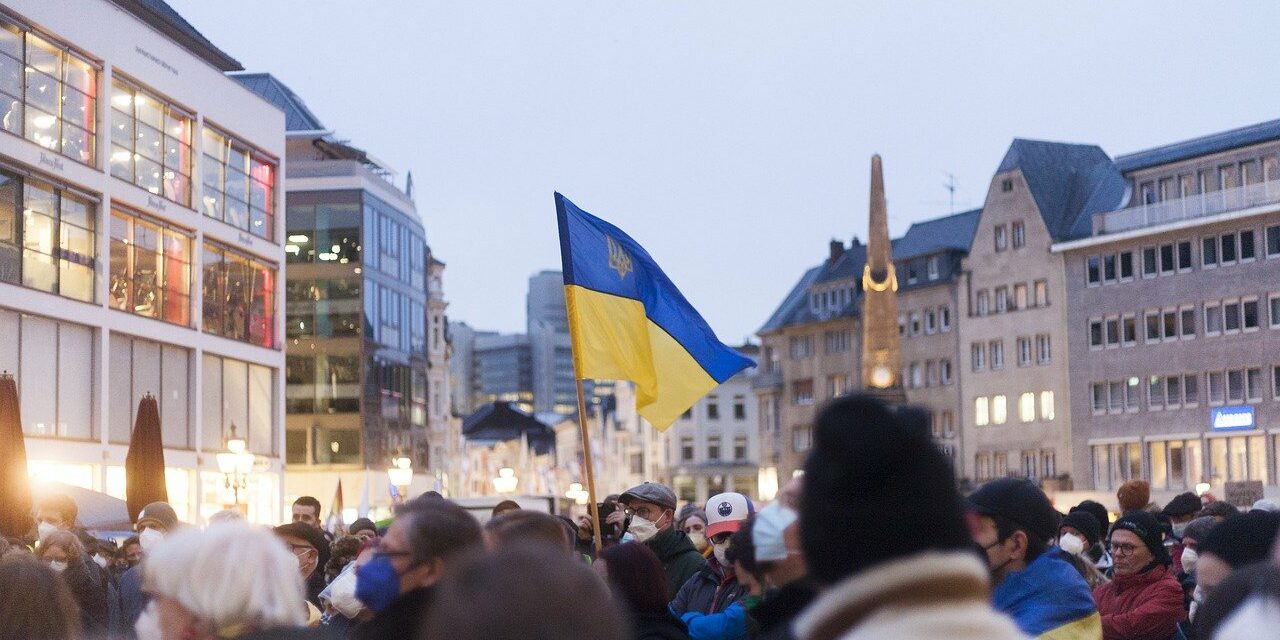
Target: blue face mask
[[377, 584]]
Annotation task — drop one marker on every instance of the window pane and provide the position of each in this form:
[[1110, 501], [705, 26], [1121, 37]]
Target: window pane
[[1209, 251], [39, 409], [212, 424], [75, 381], [174, 405], [261, 438]]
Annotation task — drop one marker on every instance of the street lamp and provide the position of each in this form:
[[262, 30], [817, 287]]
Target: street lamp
[[506, 481], [235, 463], [401, 474]]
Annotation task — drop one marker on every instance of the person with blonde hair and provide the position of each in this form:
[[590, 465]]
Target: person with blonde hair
[[231, 580]]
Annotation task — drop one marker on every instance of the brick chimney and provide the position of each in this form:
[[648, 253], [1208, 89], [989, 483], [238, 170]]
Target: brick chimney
[[837, 250]]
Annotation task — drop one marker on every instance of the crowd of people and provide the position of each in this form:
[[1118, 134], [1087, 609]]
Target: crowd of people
[[872, 541]]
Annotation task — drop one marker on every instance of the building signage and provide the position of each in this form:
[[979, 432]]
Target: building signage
[[51, 162], [1231, 418], [156, 203]]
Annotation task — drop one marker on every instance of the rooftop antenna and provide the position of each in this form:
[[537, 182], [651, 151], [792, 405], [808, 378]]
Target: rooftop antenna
[[951, 186]]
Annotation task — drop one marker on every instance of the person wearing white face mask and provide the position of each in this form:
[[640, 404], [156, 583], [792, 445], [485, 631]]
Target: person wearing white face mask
[[1077, 534], [1180, 511], [650, 508], [155, 521], [715, 587], [63, 552]]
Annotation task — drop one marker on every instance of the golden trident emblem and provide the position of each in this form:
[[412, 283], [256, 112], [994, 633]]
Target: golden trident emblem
[[619, 259]]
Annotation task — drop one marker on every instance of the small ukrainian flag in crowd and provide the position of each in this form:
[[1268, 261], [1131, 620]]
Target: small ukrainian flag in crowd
[[629, 322]]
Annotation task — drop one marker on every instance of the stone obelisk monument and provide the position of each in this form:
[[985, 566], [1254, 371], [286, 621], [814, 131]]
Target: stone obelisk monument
[[881, 346]]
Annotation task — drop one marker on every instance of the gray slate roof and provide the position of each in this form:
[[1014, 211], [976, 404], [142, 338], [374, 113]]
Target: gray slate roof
[[948, 233], [930, 236], [166, 20], [1069, 182], [1203, 145], [297, 117]]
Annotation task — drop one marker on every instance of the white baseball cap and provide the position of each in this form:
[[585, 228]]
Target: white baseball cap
[[727, 512]]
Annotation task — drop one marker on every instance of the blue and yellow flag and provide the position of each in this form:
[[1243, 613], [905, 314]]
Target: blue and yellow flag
[[629, 322]]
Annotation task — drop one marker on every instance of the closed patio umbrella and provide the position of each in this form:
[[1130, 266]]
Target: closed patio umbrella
[[144, 464], [15, 490]]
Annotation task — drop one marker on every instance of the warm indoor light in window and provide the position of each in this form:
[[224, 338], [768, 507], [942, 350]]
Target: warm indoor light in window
[[291, 248], [298, 238], [122, 100], [328, 256], [120, 156], [43, 122]]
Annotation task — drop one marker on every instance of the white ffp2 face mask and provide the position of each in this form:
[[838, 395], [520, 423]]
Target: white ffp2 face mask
[[642, 529], [1189, 559], [149, 537], [720, 550], [44, 528], [1071, 544], [58, 566]]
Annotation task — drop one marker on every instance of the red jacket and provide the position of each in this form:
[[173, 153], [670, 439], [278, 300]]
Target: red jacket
[[1146, 606]]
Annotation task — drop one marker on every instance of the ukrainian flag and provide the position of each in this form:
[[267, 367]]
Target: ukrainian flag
[[629, 322]]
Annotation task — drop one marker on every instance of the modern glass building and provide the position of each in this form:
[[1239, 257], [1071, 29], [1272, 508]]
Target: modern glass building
[[356, 325], [140, 251]]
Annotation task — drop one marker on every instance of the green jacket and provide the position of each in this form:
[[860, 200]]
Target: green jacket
[[679, 557]]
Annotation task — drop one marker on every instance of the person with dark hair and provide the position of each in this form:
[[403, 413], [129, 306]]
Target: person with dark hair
[[692, 520], [1035, 583], [715, 586], [155, 521], [1098, 552], [1180, 511], [132, 551], [1143, 600], [649, 516], [1244, 539], [524, 526], [521, 593], [882, 525], [342, 552], [504, 507], [1245, 606], [732, 621], [1220, 510], [636, 577], [425, 540], [1077, 534], [775, 537], [310, 547], [306, 510], [55, 511], [363, 528], [37, 604], [64, 553]]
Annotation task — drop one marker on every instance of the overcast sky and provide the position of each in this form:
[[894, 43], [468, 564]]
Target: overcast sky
[[732, 139]]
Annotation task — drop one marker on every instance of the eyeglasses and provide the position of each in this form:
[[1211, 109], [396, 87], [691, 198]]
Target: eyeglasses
[[1123, 549], [301, 549], [382, 552]]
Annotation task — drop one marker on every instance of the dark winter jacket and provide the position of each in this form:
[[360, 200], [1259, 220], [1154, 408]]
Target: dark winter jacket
[[710, 590], [1144, 606], [658, 626], [774, 614], [679, 557], [406, 614], [88, 583], [132, 598]]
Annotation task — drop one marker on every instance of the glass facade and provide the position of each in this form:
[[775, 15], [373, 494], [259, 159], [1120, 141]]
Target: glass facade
[[361, 274], [325, 232], [48, 93], [239, 184], [239, 296], [150, 268], [51, 245], [150, 142]]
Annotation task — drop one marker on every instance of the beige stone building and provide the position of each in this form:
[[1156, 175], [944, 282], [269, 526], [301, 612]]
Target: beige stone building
[[1016, 415], [810, 349]]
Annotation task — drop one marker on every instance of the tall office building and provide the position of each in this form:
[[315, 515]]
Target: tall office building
[[358, 340], [140, 251]]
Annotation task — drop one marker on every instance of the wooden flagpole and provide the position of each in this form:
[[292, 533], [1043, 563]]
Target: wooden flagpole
[[587, 463]]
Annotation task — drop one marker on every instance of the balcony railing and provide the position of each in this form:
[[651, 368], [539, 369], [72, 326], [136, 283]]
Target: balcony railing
[[1188, 208]]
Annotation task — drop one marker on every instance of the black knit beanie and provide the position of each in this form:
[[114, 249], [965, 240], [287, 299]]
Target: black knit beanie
[[1148, 529], [1099, 513], [1243, 539], [876, 488], [1085, 523]]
